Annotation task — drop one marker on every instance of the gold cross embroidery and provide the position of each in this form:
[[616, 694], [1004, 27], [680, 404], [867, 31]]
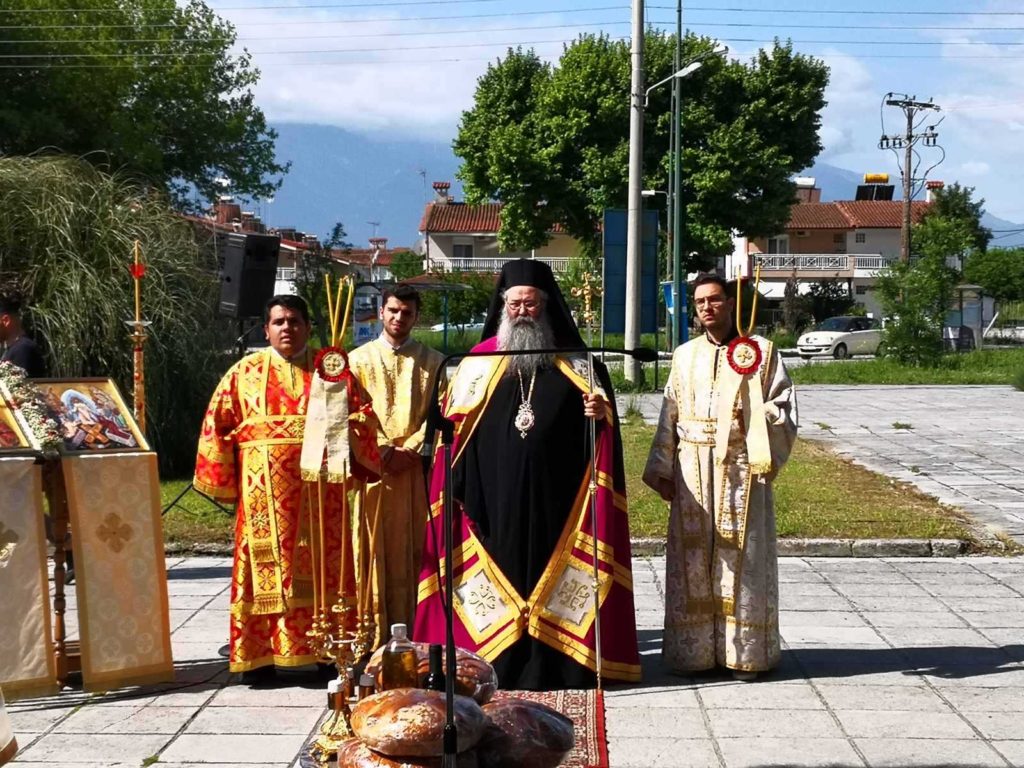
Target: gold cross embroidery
[[114, 532]]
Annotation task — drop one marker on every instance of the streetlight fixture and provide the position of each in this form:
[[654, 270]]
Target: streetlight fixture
[[678, 319], [693, 66]]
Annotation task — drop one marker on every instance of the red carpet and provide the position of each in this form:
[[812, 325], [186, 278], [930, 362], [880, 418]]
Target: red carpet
[[586, 710]]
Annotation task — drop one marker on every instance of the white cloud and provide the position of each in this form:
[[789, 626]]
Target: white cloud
[[375, 73]]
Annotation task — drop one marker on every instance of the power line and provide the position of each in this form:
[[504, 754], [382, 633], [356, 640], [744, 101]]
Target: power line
[[327, 22], [402, 3], [857, 12], [427, 33], [253, 7], [163, 54], [272, 38]]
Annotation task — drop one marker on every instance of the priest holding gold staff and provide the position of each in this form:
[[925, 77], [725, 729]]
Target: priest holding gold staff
[[249, 453], [400, 376], [728, 422], [522, 462]]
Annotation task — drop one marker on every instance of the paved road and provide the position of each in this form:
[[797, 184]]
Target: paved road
[[896, 662], [963, 445]]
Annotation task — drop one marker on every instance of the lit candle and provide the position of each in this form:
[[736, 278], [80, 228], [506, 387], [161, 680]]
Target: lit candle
[[323, 567], [138, 296]]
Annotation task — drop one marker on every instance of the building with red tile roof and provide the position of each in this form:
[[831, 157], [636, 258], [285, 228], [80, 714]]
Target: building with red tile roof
[[458, 236]]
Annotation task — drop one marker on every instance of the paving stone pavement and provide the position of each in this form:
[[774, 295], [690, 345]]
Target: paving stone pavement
[[886, 662], [963, 445]]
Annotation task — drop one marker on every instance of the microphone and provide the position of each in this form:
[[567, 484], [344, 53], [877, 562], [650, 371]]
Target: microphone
[[437, 421]]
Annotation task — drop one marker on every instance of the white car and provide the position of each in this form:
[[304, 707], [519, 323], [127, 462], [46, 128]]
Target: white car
[[476, 326], [841, 337]]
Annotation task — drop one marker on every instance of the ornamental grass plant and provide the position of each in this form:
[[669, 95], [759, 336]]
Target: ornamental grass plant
[[66, 238]]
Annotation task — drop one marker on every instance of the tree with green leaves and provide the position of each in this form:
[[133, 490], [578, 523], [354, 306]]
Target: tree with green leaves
[[551, 141], [999, 272], [916, 295], [406, 264], [67, 233], [149, 88], [311, 267], [956, 203]]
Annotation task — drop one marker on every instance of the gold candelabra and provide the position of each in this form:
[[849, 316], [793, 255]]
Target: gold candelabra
[[588, 291], [343, 632]]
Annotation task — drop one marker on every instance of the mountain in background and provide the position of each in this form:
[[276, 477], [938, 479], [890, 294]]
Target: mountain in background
[[338, 175]]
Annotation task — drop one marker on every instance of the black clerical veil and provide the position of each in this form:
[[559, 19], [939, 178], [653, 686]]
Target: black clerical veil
[[535, 274]]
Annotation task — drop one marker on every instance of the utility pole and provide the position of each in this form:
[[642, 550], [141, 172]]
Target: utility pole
[[911, 108], [634, 219], [678, 320]]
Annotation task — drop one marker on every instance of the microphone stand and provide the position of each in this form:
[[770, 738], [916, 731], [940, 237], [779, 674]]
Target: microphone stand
[[437, 421]]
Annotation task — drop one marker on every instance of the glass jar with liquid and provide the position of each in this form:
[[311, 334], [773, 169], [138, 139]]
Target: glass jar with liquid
[[398, 668]]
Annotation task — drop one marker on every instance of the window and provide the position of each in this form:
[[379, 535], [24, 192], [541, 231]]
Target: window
[[462, 251], [838, 238], [860, 237], [778, 244], [861, 290]]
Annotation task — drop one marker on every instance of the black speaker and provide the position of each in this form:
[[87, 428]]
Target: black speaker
[[248, 270]]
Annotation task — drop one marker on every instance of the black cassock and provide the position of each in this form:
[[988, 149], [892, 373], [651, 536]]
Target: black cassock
[[518, 492]]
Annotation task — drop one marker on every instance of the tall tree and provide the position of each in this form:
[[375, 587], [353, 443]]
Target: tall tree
[[551, 142], [957, 203], [146, 87]]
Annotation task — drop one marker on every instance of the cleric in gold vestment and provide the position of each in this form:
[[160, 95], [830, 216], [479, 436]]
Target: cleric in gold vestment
[[722, 437], [399, 374], [249, 453]]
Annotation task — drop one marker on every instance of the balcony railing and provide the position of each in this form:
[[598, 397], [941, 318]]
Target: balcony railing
[[557, 264], [286, 273], [822, 262]]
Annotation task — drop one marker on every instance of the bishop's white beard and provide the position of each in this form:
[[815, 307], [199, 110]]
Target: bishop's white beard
[[526, 333]]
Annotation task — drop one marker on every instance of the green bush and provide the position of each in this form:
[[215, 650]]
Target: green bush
[[66, 237], [782, 339]]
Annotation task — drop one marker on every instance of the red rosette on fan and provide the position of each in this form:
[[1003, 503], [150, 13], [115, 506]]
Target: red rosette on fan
[[332, 364], [744, 355]]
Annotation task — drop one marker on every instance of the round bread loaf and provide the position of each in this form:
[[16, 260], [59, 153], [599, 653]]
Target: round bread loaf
[[409, 722], [524, 734], [355, 754], [474, 675]]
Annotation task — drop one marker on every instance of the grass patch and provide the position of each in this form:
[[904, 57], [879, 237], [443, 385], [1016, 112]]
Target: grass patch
[[195, 519], [817, 495], [985, 366]]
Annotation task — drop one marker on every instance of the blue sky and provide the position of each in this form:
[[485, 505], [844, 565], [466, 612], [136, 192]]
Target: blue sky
[[407, 70]]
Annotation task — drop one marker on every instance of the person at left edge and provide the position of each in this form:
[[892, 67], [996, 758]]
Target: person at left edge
[[19, 349], [249, 453]]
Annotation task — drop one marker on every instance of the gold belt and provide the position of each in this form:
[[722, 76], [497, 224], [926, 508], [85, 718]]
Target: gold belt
[[697, 431]]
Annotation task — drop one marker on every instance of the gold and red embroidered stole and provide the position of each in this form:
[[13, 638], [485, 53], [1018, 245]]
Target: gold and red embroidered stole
[[709, 592], [560, 611], [273, 410]]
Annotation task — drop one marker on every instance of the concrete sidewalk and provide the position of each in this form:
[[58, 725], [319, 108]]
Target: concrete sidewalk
[[963, 445], [887, 662]]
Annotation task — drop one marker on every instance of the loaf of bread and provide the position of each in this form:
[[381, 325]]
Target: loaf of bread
[[524, 734], [474, 675], [355, 754], [409, 722]]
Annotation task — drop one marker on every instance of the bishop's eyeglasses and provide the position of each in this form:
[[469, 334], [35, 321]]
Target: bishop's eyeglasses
[[516, 304]]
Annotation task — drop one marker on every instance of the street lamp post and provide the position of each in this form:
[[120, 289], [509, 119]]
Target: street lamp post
[[678, 315], [631, 367]]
